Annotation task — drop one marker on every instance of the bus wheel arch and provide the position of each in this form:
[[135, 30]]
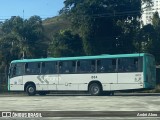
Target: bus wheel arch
[[95, 88], [30, 88]]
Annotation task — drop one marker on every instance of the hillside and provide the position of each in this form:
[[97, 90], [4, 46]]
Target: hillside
[[55, 24]]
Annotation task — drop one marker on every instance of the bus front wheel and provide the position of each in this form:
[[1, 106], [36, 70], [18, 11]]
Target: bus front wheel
[[31, 90], [95, 89]]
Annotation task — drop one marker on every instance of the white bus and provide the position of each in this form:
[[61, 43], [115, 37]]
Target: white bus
[[95, 74]]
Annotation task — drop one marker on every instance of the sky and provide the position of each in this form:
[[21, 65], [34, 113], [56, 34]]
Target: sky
[[28, 8]]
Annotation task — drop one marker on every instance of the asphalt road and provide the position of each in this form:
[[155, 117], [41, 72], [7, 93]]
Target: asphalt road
[[118, 102]]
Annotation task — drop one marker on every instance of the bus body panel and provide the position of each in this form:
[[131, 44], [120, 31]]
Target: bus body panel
[[68, 81], [130, 78], [43, 82], [16, 83], [86, 78], [149, 72], [16, 87], [81, 81], [38, 80], [125, 86], [52, 81]]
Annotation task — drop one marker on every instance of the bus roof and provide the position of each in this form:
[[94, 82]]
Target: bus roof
[[81, 57]]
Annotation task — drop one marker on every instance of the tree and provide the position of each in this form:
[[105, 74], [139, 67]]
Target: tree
[[106, 26], [156, 20], [145, 38], [29, 36], [34, 37], [155, 49], [9, 41], [148, 38], [66, 44], [21, 38]]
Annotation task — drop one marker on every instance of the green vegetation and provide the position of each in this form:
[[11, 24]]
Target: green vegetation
[[83, 27], [54, 25]]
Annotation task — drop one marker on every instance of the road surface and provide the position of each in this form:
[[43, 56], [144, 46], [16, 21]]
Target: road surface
[[51, 103]]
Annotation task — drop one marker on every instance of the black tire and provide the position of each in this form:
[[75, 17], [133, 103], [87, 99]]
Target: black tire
[[95, 89], [42, 93], [31, 90]]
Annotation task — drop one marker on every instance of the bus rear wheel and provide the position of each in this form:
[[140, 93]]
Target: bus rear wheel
[[95, 89], [31, 90]]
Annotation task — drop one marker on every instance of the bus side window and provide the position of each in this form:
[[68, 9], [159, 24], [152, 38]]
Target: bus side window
[[43, 68], [120, 65], [93, 66], [74, 66], [56, 67], [86, 66], [67, 67], [78, 66], [27, 70], [49, 68], [100, 67], [106, 65], [136, 64], [78, 63], [139, 64], [113, 61], [128, 65], [113, 68], [32, 68], [60, 64], [98, 62]]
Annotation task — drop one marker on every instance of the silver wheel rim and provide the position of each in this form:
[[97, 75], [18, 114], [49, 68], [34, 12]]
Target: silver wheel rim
[[31, 90], [95, 90]]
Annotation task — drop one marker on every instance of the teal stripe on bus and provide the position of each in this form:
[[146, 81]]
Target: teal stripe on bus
[[81, 57]]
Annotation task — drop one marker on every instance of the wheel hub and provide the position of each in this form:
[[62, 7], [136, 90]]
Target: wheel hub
[[95, 90], [31, 90]]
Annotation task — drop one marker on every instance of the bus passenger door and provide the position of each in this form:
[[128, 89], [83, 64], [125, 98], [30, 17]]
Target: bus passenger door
[[67, 80], [49, 74]]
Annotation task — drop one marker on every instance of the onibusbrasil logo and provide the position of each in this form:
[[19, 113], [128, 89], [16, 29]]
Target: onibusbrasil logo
[[21, 114]]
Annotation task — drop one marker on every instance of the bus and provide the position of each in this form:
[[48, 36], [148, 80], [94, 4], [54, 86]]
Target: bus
[[101, 74]]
